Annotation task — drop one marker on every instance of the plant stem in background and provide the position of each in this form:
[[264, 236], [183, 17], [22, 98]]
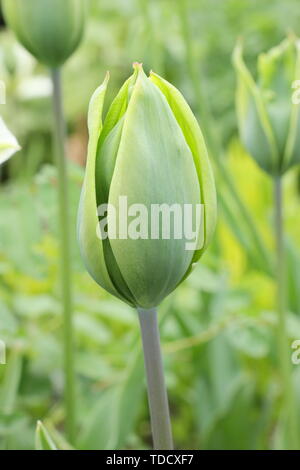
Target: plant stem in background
[[238, 210], [65, 256], [157, 393], [283, 347], [155, 48]]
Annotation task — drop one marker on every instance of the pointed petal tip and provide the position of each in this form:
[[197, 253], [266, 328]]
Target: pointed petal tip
[[139, 70], [239, 43], [152, 73], [238, 50], [293, 38], [137, 65], [107, 77]]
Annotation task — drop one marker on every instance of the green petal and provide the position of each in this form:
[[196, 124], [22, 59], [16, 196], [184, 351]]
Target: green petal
[[276, 73], [195, 140], [106, 160], [90, 245], [108, 147], [109, 140], [118, 107], [43, 440], [154, 166], [105, 165], [254, 125]]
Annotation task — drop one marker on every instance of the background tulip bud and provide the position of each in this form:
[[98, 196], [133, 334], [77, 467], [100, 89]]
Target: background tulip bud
[[49, 29], [151, 150], [268, 117]]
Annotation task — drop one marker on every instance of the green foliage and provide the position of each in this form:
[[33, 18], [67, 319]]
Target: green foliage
[[43, 440], [218, 328]]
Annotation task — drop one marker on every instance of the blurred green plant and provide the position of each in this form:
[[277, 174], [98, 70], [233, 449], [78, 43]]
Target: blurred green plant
[[269, 123], [43, 440], [220, 358], [142, 272], [51, 31]]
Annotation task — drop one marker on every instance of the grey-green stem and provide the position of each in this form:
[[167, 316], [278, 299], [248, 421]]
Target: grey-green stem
[[157, 393], [65, 256], [290, 405]]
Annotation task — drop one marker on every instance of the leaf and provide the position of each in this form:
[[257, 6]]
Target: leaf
[[113, 418], [90, 329], [9, 389], [43, 440], [253, 340], [129, 396]]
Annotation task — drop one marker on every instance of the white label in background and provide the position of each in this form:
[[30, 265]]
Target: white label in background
[[2, 92]]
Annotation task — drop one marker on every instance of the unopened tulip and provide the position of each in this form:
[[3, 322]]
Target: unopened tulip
[[50, 30], [149, 152], [268, 116]]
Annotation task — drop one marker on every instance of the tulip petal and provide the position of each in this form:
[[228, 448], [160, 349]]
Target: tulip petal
[[105, 163], [118, 107], [154, 165], [109, 140], [195, 140], [90, 245], [276, 71]]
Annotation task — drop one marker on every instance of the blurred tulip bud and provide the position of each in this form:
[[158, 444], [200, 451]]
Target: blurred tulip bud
[[268, 114], [50, 30], [150, 150]]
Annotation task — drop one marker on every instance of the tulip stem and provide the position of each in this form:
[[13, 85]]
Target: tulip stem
[[283, 347], [65, 255], [157, 393]]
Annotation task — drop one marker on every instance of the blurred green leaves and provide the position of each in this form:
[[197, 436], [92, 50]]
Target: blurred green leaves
[[227, 301], [43, 440]]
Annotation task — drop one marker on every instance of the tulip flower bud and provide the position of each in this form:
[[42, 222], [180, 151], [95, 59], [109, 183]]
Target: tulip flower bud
[[149, 152], [268, 117], [50, 30]]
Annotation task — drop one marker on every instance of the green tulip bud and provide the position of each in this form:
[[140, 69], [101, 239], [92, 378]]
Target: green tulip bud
[[149, 150], [268, 116], [50, 30]]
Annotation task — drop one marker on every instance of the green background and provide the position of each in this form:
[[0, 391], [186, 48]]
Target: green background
[[218, 328]]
